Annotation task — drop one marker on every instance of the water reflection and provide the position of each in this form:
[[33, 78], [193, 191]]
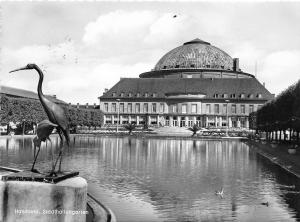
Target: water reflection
[[172, 180]]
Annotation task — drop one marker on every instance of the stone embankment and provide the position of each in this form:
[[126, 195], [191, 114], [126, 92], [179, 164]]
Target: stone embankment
[[278, 154]]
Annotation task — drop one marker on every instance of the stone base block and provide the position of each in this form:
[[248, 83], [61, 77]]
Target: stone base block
[[36, 202]]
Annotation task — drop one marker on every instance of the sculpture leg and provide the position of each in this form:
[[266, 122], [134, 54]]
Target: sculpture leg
[[59, 155], [35, 158]]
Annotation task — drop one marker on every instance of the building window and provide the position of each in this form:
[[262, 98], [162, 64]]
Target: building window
[[130, 94], [154, 107], [250, 96], [194, 108], [216, 95], [121, 107], [113, 107], [243, 109], [184, 108], [225, 95], [137, 107], [114, 94], [233, 108], [154, 95], [259, 96], [225, 108], [242, 95], [217, 108], [232, 96], [208, 108], [129, 107], [105, 107], [174, 108], [122, 94], [251, 108], [138, 95], [145, 108], [162, 108], [146, 94]]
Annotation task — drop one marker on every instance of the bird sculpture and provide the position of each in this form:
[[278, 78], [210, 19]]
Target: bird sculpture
[[55, 113], [43, 131]]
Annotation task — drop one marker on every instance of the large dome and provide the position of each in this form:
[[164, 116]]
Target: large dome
[[196, 54]]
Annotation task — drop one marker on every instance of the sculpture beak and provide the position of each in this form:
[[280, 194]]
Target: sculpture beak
[[15, 70]]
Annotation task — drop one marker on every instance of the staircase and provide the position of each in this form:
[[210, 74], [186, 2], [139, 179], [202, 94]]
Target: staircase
[[180, 131]]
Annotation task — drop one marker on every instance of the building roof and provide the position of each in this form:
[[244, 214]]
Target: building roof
[[196, 54], [21, 93], [164, 88]]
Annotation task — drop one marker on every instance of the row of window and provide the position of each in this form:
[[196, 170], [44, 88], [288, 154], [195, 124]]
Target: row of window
[[137, 108], [210, 108], [216, 95], [153, 95], [216, 108]]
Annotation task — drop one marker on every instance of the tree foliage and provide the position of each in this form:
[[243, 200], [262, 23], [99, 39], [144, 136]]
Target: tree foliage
[[30, 111], [281, 113]]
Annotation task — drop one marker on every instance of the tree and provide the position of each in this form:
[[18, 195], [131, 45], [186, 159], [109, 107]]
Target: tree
[[194, 129], [130, 127]]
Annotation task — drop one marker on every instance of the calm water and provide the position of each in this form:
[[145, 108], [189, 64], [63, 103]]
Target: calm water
[[172, 180]]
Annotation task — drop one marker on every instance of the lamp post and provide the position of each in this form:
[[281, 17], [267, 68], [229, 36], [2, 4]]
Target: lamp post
[[118, 100], [227, 122]]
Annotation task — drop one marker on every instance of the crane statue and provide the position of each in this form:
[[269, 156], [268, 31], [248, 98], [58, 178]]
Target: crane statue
[[43, 131], [55, 113]]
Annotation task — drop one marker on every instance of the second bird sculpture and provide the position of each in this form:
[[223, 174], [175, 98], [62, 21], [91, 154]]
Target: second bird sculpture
[[43, 131]]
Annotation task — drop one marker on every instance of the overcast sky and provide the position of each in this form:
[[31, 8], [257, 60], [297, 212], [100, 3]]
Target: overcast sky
[[84, 47]]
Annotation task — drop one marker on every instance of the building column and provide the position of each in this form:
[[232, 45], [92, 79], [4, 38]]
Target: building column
[[216, 121], [247, 123], [104, 119], [186, 120], [157, 120], [137, 120], [112, 119], [206, 121], [120, 119], [194, 120], [238, 123], [149, 120], [220, 121], [129, 118], [229, 122], [171, 121]]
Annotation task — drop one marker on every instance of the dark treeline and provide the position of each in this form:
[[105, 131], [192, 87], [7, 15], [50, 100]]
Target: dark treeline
[[280, 117], [29, 112]]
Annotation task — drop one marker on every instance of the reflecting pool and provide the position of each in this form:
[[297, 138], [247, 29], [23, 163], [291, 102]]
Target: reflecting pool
[[150, 179]]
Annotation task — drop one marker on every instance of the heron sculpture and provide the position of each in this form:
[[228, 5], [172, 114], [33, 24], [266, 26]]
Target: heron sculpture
[[55, 113], [43, 131]]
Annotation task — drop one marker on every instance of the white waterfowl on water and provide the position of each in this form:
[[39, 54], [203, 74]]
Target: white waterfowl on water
[[220, 192]]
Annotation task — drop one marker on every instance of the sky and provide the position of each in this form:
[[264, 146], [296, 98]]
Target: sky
[[85, 47]]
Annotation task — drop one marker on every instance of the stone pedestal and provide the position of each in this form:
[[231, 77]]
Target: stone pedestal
[[35, 201]]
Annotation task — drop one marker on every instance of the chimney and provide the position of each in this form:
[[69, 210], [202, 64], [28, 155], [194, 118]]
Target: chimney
[[94, 105], [264, 84], [70, 104], [236, 64], [54, 96], [86, 105], [77, 105]]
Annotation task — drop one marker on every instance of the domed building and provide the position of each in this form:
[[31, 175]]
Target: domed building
[[196, 83]]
